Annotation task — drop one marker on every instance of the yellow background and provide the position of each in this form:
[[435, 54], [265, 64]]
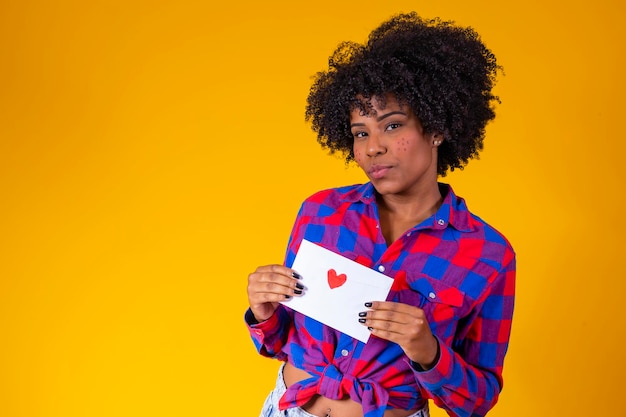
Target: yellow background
[[153, 153]]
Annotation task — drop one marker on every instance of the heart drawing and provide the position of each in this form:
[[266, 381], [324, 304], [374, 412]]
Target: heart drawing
[[334, 280]]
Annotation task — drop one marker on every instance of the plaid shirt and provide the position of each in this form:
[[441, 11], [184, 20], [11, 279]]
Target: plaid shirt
[[453, 265]]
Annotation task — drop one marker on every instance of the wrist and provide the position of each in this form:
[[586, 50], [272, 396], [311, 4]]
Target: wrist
[[427, 362]]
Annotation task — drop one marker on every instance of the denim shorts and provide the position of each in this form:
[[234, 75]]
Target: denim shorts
[[270, 407]]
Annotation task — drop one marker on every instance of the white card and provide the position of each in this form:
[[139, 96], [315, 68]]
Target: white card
[[336, 289]]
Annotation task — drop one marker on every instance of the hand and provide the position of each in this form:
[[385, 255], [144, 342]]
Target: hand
[[405, 325], [268, 285]]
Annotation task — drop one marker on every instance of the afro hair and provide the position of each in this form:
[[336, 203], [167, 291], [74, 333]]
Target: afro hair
[[443, 72]]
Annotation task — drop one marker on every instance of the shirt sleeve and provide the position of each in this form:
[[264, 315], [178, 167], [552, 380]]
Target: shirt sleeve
[[270, 336], [466, 380]]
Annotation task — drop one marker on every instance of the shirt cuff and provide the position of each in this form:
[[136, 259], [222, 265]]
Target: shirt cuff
[[435, 377], [259, 328], [249, 318]]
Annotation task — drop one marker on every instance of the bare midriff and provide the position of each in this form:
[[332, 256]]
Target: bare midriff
[[320, 406]]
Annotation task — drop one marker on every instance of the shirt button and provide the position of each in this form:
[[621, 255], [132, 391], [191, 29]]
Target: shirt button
[[441, 222], [381, 268], [432, 295], [344, 352]]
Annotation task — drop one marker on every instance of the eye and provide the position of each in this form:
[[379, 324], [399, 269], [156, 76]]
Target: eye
[[392, 126], [359, 134]]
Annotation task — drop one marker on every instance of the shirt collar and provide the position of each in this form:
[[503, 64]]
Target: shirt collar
[[453, 210]]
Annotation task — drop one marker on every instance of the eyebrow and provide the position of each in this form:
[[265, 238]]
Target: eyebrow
[[382, 117]]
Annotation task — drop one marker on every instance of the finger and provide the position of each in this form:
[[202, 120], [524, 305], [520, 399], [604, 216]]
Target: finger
[[277, 273], [386, 334], [400, 328], [285, 287], [279, 269], [291, 287], [391, 306], [384, 316], [273, 280], [269, 297], [393, 321], [404, 317]]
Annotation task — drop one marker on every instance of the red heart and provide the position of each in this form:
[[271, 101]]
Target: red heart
[[334, 280]]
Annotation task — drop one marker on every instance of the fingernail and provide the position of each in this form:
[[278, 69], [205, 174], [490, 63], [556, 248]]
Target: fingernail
[[368, 304], [299, 286], [296, 275], [370, 328], [361, 320], [287, 297], [362, 314], [297, 292]]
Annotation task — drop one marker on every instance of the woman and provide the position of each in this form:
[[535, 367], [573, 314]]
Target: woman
[[407, 106]]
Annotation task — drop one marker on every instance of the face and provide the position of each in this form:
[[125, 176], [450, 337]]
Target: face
[[392, 149]]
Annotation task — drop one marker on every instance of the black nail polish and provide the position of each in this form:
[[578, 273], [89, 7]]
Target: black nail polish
[[370, 328], [296, 275], [361, 320], [287, 297], [368, 304], [362, 314], [299, 286], [297, 292]]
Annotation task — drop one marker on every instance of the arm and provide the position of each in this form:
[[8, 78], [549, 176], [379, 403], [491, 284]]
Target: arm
[[466, 380], [270, 336], [269, 321]]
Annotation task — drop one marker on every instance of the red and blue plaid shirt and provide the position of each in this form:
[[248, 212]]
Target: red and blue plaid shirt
[[453, 265]]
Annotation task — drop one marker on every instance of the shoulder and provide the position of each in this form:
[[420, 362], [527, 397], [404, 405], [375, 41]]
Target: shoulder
[[496, 246], [488, 232], [483, 240], [329, 200]]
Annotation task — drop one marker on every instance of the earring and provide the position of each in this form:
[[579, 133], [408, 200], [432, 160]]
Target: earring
[[436, 142]]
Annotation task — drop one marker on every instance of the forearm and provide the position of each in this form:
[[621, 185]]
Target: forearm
[[458, 387], [467, 379]]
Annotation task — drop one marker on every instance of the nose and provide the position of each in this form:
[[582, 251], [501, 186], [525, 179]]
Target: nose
[[375, 145]]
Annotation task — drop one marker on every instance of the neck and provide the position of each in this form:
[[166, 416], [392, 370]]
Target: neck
[[399, 214], [416, 207]]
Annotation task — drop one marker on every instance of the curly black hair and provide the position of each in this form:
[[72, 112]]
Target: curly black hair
[[443, 72]]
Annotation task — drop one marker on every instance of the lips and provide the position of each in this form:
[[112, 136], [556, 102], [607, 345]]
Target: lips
[[378, 171]]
